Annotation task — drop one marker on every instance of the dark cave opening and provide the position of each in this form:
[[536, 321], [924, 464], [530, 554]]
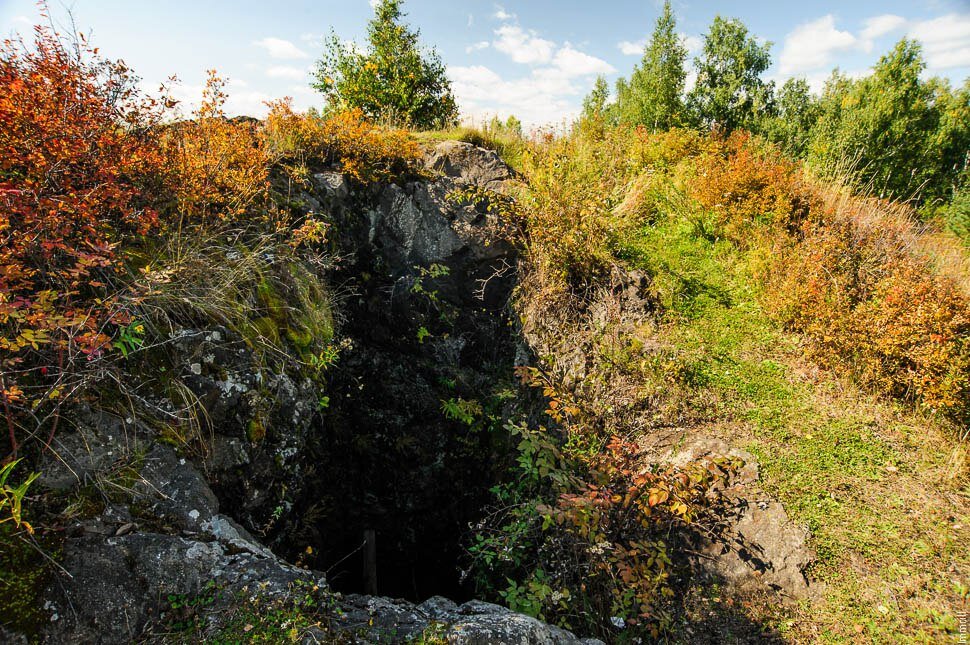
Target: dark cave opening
[[390, 459]]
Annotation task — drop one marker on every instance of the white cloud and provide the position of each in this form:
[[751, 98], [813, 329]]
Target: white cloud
[[523, 46], [549, 93], [693, 44], [282, 49], [474, 47], [285, 71], [946, 40], [502, 14], [631, 48], [876, 27], [536, 99], [812, 45], [576, 63], [374, 3], [880, 26]]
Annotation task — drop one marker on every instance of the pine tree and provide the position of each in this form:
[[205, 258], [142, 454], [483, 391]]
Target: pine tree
[[392, 79]]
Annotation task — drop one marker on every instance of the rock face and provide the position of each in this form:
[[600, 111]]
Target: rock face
[[758, 544], [426, 323]]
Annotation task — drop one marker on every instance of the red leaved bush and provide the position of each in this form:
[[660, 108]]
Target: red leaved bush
[[76, 162]]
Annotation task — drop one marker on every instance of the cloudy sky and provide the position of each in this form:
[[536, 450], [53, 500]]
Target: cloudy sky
[[532, 58]]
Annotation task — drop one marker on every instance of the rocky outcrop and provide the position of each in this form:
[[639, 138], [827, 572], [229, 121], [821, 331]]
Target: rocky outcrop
[[757, 543], [272, 462], [172, 518]]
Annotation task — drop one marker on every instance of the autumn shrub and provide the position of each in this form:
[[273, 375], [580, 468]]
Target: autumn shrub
[[217, 167], [869, 306], [582, 536], [662, 151], [346, 140], [743, 182], [574, 186], [78, 165]]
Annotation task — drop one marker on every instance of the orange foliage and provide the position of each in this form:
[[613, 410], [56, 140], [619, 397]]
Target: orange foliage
[[867, 305], [87, 169], [218, 167], [743, 183], [363, 151], [76, 163]]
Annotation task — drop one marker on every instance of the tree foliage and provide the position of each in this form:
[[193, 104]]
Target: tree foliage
[[390, 80], [730, 92], [797, 111], [653, 95], [893, 131]]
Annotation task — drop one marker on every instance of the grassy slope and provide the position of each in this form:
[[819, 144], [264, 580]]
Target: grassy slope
[[881, 488]]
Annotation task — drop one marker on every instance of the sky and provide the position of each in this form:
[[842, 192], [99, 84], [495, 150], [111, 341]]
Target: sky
[[535, 59]]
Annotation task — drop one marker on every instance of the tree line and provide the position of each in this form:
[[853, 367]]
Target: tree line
[[892, 132]]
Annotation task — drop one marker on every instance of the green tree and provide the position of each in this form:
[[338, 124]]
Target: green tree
[[653, 95], [797, 111], [596, 110], [730, 92], [392, 79], [899, 135]]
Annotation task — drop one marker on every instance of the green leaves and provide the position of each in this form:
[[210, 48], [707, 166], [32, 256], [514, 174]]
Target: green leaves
[[893, 132], [652, 98], [392, 80], [730, 92], [12, 497]]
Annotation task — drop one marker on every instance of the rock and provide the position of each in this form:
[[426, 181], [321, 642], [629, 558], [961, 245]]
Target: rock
[[473, 623], [469, 164], [759, 544], [93, 444], [118, 585], [332, 185]]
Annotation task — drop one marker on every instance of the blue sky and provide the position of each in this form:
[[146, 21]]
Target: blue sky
[[533, 58]]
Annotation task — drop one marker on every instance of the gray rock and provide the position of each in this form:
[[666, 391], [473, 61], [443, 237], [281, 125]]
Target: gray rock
[[473, 623], [470, 164], [759, 544], [332, 185]]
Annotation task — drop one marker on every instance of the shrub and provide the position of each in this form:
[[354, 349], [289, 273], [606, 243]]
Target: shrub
[[347, 140], [218, 168], [77, 165], [581, 536], [743, 182], [574, 185], [868, 306]]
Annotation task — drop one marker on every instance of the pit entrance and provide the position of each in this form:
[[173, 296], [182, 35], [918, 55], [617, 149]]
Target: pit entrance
[[397, 476]]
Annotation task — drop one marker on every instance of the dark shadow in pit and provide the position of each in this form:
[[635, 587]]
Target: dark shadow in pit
[[390, 457]]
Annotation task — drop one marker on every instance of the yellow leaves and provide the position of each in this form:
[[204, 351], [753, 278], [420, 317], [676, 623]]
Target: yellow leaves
[[363, 151], [657, 496]]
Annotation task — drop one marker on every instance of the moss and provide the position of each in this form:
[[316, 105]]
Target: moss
[[24, 574], [301, 337], [256, 429], [266, 328]]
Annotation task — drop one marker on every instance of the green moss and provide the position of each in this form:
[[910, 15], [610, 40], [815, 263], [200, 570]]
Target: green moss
[[301, 338], [256, 429], [24, 574], [267, 329]]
